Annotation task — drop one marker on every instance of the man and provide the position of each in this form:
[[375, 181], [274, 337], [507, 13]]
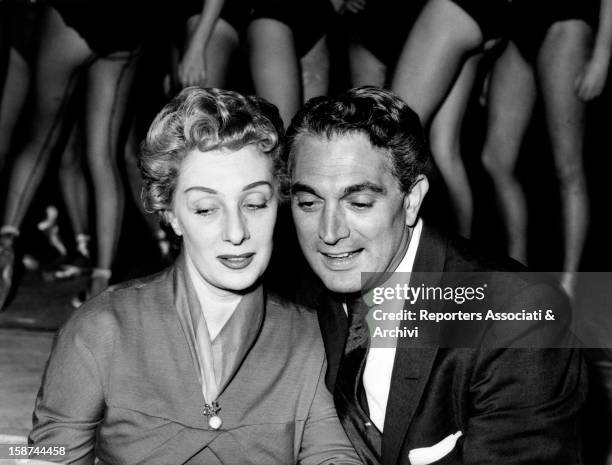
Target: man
[[358, 165]]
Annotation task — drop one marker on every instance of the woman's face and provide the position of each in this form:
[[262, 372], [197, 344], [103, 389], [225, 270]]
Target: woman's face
[[225, 206]]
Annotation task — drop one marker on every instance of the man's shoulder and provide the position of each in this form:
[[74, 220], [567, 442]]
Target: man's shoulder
[[469, 255]]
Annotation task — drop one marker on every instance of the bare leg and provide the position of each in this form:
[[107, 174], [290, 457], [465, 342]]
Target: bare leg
[[562, 57], [315, 70], [275, 66], [442, 37], [109, 81], [13, 98], [512, 95], [72, 182], [4, 45], [135, 181], [62, 52], [446, 145], [365, 67], [220, 49]]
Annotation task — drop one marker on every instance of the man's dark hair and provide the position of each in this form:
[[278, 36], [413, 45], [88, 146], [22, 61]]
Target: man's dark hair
[[380, 115]]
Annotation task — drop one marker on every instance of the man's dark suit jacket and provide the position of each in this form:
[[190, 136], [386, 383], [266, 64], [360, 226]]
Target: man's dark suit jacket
[[513, 406]]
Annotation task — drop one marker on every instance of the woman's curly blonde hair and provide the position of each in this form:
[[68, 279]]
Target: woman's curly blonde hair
[[205, 119]]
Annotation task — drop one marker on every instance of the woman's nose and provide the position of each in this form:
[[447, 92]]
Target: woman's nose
[[236, 229]]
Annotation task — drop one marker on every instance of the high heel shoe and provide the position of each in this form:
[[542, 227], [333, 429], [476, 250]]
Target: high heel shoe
[[74, 265], [8, 234], [98, 282]]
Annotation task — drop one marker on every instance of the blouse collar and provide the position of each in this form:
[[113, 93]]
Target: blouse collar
[[217, 361]]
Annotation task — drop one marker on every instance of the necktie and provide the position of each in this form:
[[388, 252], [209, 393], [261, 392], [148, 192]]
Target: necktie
[[349, 396], [358, 333]]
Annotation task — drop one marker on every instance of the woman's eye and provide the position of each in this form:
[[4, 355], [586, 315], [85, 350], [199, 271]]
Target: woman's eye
[[256, 206], [205, 211]]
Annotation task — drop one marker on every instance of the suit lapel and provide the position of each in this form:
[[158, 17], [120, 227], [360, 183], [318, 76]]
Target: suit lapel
[[334, 328], [413, 364]]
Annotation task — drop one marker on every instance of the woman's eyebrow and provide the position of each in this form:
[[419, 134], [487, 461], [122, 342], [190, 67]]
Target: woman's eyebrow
[[201, 189], [256, 184]]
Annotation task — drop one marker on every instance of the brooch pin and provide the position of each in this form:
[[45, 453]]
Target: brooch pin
[[211, 410]]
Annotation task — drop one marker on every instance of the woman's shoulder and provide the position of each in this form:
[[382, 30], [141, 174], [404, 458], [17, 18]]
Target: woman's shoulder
[[105, 312]]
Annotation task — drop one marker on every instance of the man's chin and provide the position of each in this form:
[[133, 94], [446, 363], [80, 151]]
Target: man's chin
[[341, 284]]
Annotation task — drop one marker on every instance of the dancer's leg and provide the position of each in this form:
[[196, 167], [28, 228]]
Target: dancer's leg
[[446, 145], [135, 184], [512, 95], [365, 67], [73, 183], [315, 70], [562, 57], [62, 51], [220, 49], [13, 98], [109, 81], [442, 37], [275, 65]]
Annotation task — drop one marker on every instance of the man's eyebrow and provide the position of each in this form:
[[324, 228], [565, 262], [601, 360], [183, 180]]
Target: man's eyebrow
[[300, 187], [201, 189], [364, 186]]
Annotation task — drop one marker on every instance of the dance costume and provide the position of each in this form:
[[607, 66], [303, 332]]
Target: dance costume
[[309, 21], [530, 25], [491, 15], [235, 12], [21, 21], [383, 26], [108, 26]]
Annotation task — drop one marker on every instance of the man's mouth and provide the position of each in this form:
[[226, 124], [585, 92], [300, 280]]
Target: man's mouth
[[340, 260]]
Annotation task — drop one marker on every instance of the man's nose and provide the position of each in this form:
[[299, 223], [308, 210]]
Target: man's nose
[[332, 226], [236, 229]]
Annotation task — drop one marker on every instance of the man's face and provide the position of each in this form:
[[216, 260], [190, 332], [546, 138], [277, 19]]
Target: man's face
[[350, 214]]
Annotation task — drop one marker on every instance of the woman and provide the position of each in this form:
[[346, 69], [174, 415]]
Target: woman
[[562, 50], [97, 40], [197, 364], [370, 59], [21, 22], [208, 34], [288, 52], [213, 35], [435, 75]]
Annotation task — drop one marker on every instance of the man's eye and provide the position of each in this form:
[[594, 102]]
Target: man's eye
[[306, 202], [362, 205], [307, 205]]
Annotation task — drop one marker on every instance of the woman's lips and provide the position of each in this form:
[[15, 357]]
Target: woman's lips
[[236, 262], [340, 260]]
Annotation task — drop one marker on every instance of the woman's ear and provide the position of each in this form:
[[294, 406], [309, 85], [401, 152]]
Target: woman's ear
[[172, 220]]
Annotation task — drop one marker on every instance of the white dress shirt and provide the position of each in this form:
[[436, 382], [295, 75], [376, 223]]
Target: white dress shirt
[[379, 361]]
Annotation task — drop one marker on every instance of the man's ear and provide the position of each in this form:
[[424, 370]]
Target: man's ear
[[171, 219], [414, 199]]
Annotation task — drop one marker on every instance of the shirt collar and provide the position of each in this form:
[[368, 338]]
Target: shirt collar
[[407, 262]]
